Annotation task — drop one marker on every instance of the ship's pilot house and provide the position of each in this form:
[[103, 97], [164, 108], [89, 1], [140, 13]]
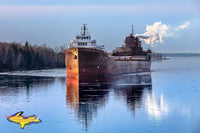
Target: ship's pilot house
[[83, 40]]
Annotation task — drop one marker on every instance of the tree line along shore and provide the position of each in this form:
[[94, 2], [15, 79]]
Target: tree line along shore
[[15, 56]]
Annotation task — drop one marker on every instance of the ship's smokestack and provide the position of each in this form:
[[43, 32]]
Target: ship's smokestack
[[156, 32]]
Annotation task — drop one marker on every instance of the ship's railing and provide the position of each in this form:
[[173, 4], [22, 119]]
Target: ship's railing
[[131, 58], [97, 46]]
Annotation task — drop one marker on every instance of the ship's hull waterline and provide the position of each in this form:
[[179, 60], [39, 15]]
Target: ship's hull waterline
[[85, 62]]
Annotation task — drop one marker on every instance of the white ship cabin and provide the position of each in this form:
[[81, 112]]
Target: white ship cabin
[[83, 40]]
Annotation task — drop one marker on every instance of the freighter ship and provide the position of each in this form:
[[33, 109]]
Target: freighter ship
[[84, 57]]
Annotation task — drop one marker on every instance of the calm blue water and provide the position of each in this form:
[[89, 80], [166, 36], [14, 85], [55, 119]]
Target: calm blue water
[[166, 100]]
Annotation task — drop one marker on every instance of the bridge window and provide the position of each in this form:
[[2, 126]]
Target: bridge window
[[82, 44]]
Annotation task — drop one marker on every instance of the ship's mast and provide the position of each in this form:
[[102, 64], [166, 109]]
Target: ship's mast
[[84, 29], [81, 30], [132, 29]]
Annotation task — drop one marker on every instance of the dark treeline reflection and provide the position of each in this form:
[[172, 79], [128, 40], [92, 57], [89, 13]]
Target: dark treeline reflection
[[13, 85], [85, 98], [14, 56]]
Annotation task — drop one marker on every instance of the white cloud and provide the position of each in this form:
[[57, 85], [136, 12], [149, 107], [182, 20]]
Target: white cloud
[[181, 27]]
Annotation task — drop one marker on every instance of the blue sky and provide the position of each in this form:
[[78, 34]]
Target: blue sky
[[57, 22]]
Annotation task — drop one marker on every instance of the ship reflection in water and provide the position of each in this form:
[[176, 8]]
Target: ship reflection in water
[[109, 99], [84, 98]]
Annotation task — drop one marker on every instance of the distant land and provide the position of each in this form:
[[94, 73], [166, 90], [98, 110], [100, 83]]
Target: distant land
[[180, 54], [18, 57], [161, 56], [15, 56]]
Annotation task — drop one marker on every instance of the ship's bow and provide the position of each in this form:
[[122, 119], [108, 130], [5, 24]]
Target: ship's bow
[[71, 62]]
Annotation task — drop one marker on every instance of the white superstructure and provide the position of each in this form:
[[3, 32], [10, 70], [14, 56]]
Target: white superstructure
[[84, 40]]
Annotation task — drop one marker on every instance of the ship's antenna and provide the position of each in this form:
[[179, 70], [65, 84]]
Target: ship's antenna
[[132, 29], [84, 29]]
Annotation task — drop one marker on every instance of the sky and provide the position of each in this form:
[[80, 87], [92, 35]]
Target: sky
[[56, 23]]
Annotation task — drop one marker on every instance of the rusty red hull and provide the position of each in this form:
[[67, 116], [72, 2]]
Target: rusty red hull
[[89, 61]]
